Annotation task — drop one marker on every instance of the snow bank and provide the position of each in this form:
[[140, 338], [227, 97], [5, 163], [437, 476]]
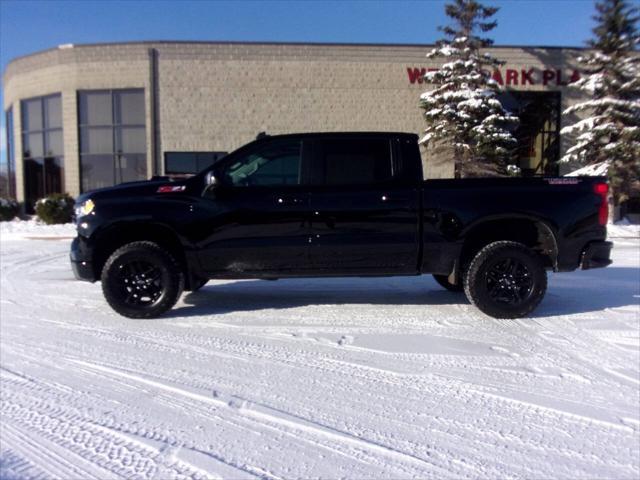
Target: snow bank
[[22, 229], [623, 229]]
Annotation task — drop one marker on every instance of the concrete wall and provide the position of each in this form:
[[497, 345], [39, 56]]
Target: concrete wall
[[218, 96]]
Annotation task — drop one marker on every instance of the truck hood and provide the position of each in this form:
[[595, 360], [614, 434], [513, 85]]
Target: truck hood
[[128, 189]]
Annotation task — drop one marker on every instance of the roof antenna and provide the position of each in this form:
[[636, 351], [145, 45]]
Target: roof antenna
[[261, 135]]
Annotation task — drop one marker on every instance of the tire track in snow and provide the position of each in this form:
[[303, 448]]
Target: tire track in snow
[[109, 450], [14, 466], [571, 343], [49, 456], [36, 390], [524, 409], [39, 396], [267, 415]]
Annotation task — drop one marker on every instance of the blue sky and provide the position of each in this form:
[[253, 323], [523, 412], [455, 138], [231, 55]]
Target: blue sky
[[27, 26]]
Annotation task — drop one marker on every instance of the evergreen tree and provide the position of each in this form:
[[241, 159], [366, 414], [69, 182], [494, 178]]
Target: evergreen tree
[[462, 110], [610, 133]]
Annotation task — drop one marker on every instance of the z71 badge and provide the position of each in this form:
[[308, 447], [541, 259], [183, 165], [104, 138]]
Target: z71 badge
[[171, 189]]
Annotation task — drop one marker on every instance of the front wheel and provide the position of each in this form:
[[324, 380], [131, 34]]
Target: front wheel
[[141, 280], [506, 280]]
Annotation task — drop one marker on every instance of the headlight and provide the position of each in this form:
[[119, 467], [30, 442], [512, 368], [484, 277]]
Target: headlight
[[85, 208]]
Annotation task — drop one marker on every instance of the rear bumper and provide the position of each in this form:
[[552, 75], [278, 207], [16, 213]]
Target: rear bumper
[[80, 257], [596, 255]]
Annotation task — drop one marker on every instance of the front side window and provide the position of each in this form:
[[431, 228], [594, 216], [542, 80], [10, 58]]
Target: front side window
[[113, 143], [42, 147], [277, 163], [353, 161]]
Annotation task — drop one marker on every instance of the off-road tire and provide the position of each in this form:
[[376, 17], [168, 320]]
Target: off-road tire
[[170, 279], [482, 270], [443, 280]]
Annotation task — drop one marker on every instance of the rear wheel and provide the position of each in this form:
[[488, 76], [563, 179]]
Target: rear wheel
[[443, 280], [506, 280], [141, 280]]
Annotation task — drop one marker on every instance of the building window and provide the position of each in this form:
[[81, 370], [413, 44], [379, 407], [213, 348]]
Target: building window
[[113, 143], [538, 133], [189, 163], [42, 147], [9, 183]]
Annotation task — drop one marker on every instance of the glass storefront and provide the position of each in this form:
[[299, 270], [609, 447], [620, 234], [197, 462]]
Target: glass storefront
[[538, 133], [9, 187], [42, 147], [189, 163], [113, 144]]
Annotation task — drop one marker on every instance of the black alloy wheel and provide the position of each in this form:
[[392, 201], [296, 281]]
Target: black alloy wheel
[[141, 283], [509, 281], [506, 280], [141, 280]]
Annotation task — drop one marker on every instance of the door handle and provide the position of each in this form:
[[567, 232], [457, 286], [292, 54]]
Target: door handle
[[289, 200], [393, 199]]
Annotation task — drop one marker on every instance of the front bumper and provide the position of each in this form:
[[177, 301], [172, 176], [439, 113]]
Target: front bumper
[[80, 257], [596, 255]]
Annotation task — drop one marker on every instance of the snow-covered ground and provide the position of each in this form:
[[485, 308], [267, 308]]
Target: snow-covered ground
[[353, 378]]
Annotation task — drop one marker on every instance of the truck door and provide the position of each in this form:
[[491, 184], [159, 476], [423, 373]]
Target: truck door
[[259, 213], [364, 213]]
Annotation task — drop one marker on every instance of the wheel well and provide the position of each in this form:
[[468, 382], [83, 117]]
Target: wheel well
[[118, 235], [534, 234]]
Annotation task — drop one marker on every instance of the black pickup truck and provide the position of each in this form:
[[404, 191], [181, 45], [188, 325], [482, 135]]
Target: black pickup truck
[[337, 204]]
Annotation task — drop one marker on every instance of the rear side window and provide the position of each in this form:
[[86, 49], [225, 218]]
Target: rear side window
[[353, 161]]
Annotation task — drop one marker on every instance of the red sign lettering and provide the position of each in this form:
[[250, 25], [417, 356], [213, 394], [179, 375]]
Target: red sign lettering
[[547, 76], [416, 74], [575, 76], [497, 76], [527, 76], [513, 77], [559, 77]]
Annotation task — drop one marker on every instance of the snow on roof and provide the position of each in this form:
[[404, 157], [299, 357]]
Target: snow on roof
[[595, 170]]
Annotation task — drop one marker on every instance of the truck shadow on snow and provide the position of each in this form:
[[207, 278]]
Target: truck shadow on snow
[[568, 293]]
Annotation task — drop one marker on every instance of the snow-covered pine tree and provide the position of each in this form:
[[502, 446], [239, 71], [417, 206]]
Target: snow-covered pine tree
[[610, 133], [462, 110]]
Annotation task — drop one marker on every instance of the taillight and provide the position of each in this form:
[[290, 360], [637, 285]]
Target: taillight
[[602, 190]]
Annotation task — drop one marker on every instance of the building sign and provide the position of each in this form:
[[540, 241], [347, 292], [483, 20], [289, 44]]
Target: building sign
[[510, 77]]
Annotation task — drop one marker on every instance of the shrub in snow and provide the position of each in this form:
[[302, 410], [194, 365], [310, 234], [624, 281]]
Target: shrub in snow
[[8, 209], [56, 208], [462, 110], [514, 171], [610, 133]]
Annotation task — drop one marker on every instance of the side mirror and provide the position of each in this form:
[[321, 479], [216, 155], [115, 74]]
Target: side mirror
[[211, 180]]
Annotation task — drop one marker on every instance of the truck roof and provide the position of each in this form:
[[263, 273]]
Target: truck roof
[[340, 134]]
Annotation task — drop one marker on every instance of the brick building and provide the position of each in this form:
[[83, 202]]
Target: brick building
[[81, 117]]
